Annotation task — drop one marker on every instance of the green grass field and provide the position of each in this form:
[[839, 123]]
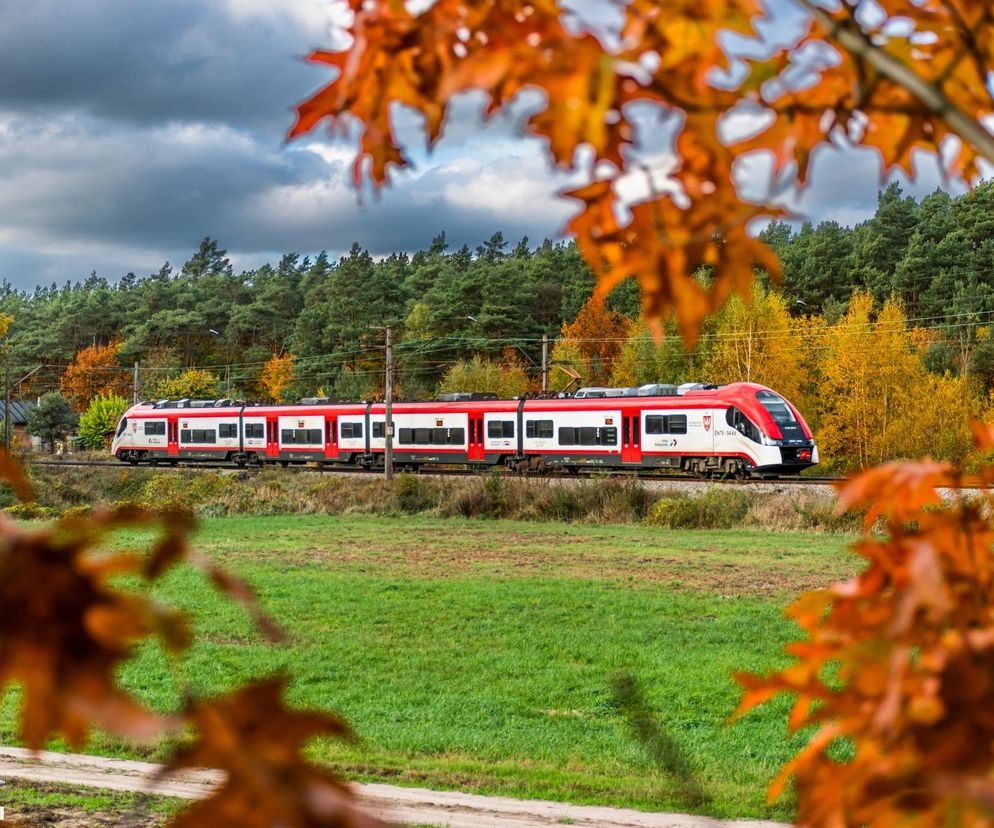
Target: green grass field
[[41, 803], [486, 655]]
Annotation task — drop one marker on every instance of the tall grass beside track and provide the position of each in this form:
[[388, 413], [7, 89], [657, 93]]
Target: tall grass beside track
[[280, 492]]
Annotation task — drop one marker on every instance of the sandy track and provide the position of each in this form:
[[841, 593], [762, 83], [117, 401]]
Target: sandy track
[[398, 804]]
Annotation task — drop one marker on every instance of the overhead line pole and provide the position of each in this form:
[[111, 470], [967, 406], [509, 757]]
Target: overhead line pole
[[545, 363], [135, 394], [388, 400]]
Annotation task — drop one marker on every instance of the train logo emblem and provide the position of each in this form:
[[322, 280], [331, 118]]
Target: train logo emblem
[[707, 422]]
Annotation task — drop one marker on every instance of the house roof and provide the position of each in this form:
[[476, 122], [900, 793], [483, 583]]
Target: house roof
[[18, 411]]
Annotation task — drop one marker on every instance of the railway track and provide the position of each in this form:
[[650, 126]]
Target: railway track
[[587, 474]]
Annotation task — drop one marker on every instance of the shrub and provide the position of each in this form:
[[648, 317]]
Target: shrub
[[714, 509], [413, 494], [98, 422]]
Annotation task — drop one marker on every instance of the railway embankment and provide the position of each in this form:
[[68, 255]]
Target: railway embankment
[[658, 503]]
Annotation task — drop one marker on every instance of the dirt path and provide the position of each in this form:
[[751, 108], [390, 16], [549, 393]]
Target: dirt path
[[399, 804]]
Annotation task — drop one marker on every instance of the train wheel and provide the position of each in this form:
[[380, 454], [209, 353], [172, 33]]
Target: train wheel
[[284, 463]]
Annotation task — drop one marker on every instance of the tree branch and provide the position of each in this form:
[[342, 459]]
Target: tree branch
[[855, 41]]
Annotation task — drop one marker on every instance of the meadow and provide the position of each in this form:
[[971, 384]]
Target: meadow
[[581, 663]]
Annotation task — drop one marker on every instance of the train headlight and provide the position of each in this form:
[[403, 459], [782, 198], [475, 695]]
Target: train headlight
[[769, 441]]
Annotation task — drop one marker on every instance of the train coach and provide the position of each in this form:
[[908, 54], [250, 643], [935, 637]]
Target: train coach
[[732, 430]]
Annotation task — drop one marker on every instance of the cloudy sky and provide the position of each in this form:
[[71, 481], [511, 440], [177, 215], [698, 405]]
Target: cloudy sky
[[131, 130]]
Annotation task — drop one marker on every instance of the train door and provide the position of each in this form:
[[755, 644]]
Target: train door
[[272, 437], [477, 452], [631, 438], [331, 437], [172, 438]]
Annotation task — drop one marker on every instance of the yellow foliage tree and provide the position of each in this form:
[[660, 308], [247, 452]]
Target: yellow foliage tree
[[276, 377], [758, 341], [484, 375], [645, 359], [567, 361], [869, 371], [194, 383]]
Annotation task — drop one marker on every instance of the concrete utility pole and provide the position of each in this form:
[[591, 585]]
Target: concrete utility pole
[[545, 363], [388, 399], [136, 383]]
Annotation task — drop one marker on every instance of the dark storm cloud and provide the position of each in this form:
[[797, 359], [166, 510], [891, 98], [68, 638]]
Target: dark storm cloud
[[129, 131], [156, 60]]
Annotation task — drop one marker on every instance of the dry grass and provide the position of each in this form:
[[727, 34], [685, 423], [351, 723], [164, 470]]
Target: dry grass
[[282, 492]]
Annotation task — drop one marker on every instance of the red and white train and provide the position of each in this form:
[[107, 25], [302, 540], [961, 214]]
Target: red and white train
[[731, 430]]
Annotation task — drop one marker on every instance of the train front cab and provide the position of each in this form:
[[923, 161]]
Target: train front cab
[[761, 425]]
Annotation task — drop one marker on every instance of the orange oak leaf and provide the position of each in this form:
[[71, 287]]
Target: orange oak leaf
[[893, 88], [258, 742], [65, 628]]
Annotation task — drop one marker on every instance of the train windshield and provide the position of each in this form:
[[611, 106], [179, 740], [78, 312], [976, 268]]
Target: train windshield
[[122, 426], [778, 408]]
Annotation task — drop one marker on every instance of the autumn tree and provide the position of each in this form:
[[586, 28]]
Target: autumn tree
[[480, 374], [758, 341], [277, 375], [597, 334], [645, 358], [96, 371], [194, 383]]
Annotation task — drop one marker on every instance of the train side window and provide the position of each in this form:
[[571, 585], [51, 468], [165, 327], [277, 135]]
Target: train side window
[[351, 431], [668, 424], [567, 436], [588, 436], [253, 431], [542, 429], [198, 435], [151, 429], [301, 436], [457, 436], [422, 436], [497, 429], [740, 422], [379, 429], [405, 436], [227, 430]]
